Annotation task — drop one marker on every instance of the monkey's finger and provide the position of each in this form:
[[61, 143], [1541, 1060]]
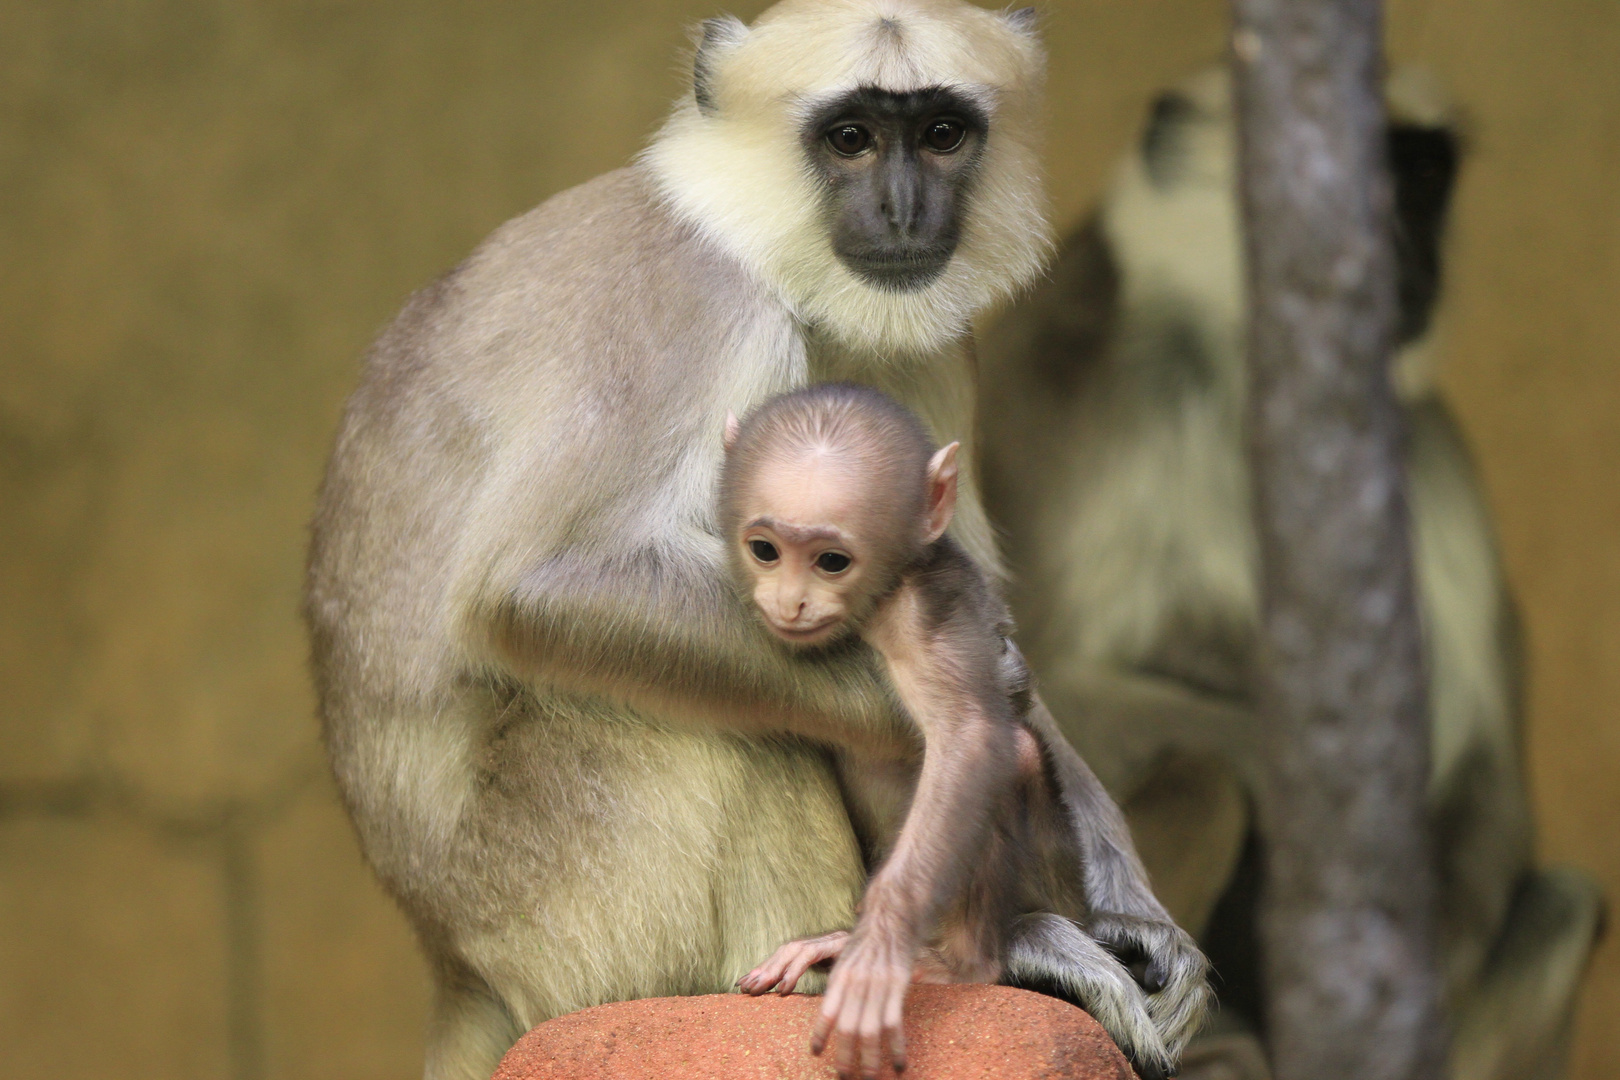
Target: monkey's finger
[[828, 1016], [859, 1029], [847, 1052], [1157, 976], [871, 1031], [846, 1022], [770, 972], [894, 1026], [755, 982], [792, 955], [795, 971], [1151, 1070]]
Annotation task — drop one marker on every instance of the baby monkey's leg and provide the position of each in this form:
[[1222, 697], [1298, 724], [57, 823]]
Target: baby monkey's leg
[[972, 940], [787, 965], [1098, 917]]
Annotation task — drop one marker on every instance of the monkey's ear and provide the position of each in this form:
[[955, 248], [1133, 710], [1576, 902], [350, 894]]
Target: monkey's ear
[[717, 35], [1022, 19], [732, 428], [941, 491]]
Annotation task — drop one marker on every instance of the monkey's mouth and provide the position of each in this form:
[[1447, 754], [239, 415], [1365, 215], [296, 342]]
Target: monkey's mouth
[[898, 271], [805, 635]]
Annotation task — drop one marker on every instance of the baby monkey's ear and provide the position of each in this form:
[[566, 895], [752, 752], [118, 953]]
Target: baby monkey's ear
[[732, 428], [941, 491]]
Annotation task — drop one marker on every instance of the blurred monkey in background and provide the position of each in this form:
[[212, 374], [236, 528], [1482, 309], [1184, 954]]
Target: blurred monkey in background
[[573, 756], [1136, 585]]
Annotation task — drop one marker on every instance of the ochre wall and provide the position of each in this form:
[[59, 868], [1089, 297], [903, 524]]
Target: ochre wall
[[207, 209]]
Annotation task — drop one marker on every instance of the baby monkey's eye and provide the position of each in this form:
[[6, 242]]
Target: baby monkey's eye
[[833, 562], [763, 550]]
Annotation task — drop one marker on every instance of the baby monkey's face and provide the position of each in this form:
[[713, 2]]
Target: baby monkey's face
[[804, 535]]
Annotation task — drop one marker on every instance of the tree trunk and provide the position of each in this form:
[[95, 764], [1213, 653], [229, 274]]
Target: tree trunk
[[1347, 920]]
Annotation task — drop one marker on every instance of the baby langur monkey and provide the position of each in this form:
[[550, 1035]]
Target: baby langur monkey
[[835, 506]]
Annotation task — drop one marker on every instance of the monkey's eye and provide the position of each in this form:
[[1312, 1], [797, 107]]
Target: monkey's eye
[[850, 140], [763, 550], [944, 136], [833, 562]]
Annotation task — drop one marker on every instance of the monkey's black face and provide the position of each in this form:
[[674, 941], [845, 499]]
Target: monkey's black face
[[898, 170], [1423, 162]]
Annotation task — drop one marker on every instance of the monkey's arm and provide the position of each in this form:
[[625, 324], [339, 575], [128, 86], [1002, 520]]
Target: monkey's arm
[[665, 633], [969, 760]]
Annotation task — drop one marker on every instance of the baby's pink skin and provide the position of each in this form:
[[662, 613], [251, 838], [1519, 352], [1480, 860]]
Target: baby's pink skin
[[787, 965]]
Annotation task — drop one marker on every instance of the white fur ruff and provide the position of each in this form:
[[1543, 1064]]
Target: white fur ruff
[[739, 173]]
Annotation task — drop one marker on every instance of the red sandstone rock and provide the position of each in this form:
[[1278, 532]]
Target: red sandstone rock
[[952, 1033]]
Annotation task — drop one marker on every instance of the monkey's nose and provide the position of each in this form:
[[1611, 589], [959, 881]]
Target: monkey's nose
[[900, 205]]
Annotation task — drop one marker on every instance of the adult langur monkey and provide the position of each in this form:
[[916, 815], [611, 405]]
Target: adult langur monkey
[[1134, 557], [583, 769]]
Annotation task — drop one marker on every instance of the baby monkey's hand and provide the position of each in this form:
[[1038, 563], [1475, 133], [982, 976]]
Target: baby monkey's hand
[[865, 999], [865, 994]]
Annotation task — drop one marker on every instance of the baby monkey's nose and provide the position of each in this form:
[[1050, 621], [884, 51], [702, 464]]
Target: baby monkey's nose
[[790, 601]]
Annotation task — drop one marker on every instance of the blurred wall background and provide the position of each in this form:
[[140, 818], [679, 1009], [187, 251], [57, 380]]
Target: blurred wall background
[[208, 208]]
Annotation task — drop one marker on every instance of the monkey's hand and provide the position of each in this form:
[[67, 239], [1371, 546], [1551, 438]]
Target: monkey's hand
[[1050, 954], [788, 964], [865, 998], [1166, 962]]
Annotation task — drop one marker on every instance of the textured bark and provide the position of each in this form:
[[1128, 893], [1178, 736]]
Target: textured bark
[[1347, 918]]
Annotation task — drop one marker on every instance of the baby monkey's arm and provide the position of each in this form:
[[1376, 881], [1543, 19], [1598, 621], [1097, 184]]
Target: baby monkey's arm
[[944, 674]]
